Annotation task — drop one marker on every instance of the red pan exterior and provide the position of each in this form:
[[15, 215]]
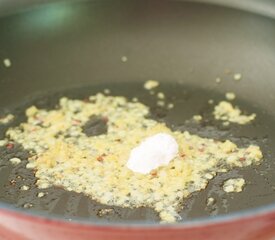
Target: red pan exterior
[[18, 226]]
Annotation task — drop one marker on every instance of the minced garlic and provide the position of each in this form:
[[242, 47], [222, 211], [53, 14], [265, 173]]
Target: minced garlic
[[124, 59], [230, 96], [150, 84], [226, 112], [161, 103], [40, 194], [237, 76], [170, 105], [234, 185], [161, 95], [97, 165], [15, 160], [210, 201], [25, 188], [218, 80], [6, 119], [7, 62], [197, 118]]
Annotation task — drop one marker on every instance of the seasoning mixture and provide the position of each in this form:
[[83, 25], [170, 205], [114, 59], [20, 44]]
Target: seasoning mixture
[[226, 112], [230, 96], [234, 185], [83, 146], [150, 84], [6, 119], [7, 62]]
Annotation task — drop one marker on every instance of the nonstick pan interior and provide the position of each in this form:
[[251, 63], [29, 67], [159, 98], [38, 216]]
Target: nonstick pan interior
[[183, 45]]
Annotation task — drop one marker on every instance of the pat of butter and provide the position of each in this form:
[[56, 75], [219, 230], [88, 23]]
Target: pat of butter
[[155, 151]]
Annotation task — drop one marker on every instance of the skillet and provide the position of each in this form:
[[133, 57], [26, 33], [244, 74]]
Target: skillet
[[74, 48]]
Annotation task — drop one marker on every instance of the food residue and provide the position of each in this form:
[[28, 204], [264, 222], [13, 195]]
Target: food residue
[[234, 185], [124, 59], [3, 142], [15, 160], [40, 194], [95, 164], [105, 211], [218, 80], [210, 101], [25, 188], [226, 112], [135, 99], [197, 118], [161, 95], [230, 96], [150, 84], [170, 105], [237, 76], [28, 205], [210, 201], [160, 103], [7, 62], [6, 119], [107, 91]]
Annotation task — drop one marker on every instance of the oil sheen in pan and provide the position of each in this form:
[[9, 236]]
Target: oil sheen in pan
[[188, 101]]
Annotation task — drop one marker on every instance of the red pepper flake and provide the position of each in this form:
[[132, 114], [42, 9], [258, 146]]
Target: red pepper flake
[[100, 158], [9, 146], [76, 122], [38, 118], [105, 119], [12, 182], [154, 173], [242, 159]]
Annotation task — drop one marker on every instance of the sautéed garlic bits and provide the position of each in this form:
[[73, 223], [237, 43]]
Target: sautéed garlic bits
[[106, 167], [155, 151]]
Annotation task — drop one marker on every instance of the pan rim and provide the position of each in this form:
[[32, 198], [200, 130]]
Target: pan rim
[[201, 221], [263, 8]]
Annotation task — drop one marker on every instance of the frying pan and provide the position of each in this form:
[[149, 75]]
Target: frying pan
[[74, 48]]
